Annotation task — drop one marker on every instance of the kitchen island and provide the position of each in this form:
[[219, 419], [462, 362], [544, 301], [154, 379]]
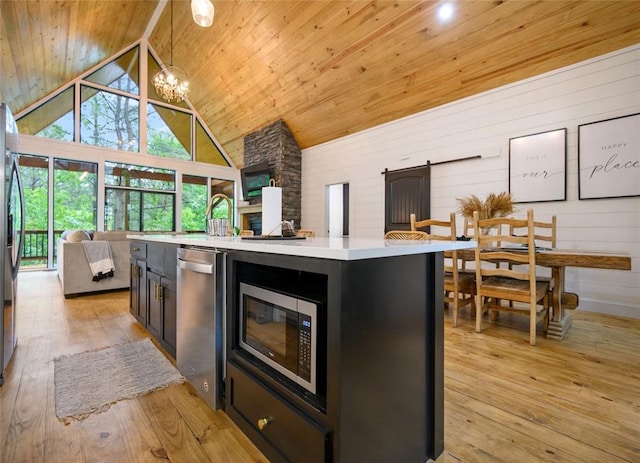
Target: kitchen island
[[377, 392]]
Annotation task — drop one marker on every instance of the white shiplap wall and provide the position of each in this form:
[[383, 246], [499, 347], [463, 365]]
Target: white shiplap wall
[[597, 89]]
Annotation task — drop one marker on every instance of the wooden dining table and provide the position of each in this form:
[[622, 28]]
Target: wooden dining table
[[559, 259]]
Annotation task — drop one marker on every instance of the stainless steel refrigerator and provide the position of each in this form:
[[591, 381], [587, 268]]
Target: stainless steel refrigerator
[[11, 234]]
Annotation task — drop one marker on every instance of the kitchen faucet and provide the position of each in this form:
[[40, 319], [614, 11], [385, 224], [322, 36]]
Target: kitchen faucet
[[214, 201]]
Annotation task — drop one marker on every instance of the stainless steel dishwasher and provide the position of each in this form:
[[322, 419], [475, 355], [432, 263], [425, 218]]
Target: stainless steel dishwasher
[[200, 321]]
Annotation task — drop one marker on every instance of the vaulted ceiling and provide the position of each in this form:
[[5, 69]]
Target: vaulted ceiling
[[328, 68]]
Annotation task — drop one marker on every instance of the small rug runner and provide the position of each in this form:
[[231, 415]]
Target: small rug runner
[[90, 382]]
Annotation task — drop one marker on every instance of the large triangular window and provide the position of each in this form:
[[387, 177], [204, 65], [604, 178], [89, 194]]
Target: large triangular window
[[109, 114], [52, 119], [122, 73]]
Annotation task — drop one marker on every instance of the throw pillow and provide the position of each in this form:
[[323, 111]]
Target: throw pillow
[[76, 236]]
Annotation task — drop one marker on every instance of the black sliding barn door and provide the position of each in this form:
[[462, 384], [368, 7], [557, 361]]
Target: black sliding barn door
[[407, 191]]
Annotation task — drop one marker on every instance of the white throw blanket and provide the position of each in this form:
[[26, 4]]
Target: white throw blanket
[[100, 260]]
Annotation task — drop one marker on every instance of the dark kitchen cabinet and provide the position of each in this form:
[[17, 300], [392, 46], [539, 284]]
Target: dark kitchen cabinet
[[153, 290], [383, 361], [161, 294], [138, 290], [293, 436], [154, 304]]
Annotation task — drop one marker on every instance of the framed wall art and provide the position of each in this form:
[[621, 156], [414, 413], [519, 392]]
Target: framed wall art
[[538, 167], [609, 158]]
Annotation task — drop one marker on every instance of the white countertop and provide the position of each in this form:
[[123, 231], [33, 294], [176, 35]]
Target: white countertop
[[324, 248]]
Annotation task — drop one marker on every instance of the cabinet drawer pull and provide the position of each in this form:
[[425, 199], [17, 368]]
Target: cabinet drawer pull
[[264, 422], [136, 249]]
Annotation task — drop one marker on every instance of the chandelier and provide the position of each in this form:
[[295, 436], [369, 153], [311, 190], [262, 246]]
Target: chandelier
[[171, 81], [202, 11]]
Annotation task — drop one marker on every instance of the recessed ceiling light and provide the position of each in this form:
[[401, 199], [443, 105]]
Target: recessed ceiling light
[[445, 12]]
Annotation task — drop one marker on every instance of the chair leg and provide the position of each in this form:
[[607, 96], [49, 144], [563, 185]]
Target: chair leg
[[547, 314], [478, 314], [532, 323], [456, 306], [473, 302]]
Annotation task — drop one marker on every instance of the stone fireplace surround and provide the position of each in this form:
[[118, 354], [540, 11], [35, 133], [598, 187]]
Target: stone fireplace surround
[[276, 145]]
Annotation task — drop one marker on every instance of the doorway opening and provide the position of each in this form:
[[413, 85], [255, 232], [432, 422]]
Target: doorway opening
[[338, 210]]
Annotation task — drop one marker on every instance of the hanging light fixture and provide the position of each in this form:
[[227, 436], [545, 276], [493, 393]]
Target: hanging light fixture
[[202, 11], [171, 81]]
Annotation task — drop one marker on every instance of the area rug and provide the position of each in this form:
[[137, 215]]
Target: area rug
[[90, 382]]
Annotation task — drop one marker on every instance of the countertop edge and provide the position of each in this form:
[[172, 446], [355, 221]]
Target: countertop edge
[[323, 248]]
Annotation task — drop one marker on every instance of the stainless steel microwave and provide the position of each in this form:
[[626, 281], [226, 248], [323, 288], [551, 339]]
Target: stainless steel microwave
[[280, 331]]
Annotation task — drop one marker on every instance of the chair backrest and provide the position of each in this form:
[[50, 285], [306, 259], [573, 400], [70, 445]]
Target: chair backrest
[[436, 229], [493, 246], [469, 232], [307, 233], [544, 232], [405, 235], [468, 227], [442, 230]]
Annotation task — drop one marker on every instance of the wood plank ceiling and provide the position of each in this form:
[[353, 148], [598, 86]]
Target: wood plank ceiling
[[327, 68]]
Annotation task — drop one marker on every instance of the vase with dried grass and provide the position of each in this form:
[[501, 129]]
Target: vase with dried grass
[[494, 205]]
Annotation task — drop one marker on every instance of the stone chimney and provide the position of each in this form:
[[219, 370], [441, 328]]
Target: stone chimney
[[276, 145]]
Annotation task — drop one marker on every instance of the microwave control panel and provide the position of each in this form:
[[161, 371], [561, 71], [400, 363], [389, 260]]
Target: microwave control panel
[[305, 348]]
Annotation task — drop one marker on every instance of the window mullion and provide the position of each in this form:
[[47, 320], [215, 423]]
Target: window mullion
[[142, 127]]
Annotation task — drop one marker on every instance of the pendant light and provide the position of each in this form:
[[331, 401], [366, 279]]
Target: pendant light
[[202, 11], [171, 81]]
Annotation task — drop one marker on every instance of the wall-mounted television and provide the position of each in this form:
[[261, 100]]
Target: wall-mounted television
[[254, 178]]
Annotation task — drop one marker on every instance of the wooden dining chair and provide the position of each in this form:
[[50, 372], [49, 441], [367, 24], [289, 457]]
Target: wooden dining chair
[[545, 237], [405, 235], [306, 233], [544, 232], [459, 287], [496, 286]]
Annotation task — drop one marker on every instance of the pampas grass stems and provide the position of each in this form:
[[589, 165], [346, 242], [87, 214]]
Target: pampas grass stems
[[494, 205]]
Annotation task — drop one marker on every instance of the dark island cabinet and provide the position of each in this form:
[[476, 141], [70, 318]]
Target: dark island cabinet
[[286, 433], [138, 290], [380, 348], [155, 305], [153, 290]]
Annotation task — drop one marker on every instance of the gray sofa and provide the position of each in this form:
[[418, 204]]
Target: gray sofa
[[73, 266]]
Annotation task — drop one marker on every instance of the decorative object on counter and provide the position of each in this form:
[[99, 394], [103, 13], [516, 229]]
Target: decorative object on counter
[[219, 226], [494, 205], [288, 233], [272, 209], [405, 235], [273, 238], [90, 382], [287, 228], [307, 233]]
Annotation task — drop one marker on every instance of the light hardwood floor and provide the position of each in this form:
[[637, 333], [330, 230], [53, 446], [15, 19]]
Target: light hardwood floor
[[505, 401]]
